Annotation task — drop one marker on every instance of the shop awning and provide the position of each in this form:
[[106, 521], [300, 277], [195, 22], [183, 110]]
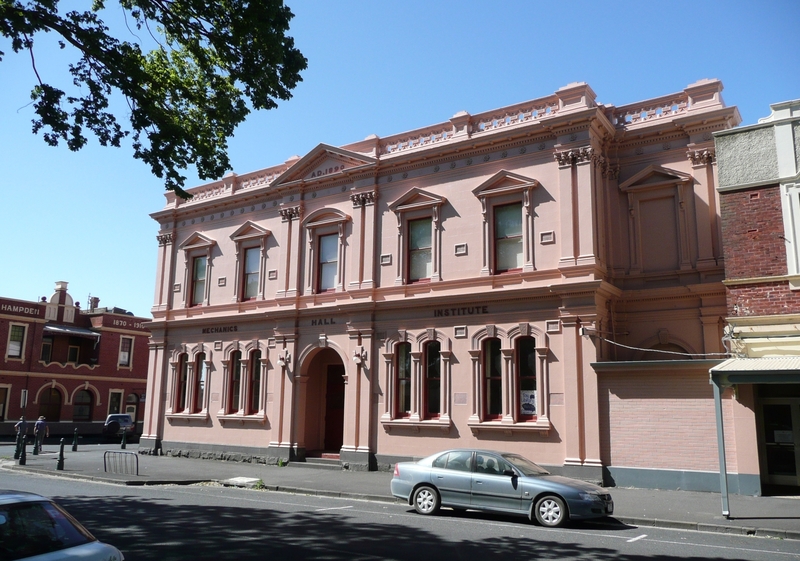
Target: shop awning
[[71, 331], [760, 370]]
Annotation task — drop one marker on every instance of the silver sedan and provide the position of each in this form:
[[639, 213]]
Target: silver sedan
[[497, 482]]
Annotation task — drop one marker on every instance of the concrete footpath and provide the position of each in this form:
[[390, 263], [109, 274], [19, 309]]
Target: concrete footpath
[[777, 517]]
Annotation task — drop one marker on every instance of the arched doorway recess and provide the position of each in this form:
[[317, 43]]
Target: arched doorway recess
[[323, 403]]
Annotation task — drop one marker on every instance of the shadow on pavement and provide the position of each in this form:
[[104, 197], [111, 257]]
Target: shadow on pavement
[[146, 529]]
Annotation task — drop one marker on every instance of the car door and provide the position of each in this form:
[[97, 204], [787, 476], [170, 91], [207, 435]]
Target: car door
[[492, 486], [452, 475]]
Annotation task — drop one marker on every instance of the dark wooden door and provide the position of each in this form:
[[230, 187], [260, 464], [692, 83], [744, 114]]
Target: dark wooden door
[[334, 408]]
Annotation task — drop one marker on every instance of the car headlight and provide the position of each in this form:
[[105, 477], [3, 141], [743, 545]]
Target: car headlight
[[589, 496]]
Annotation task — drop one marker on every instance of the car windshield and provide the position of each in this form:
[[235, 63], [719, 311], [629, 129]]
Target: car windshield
[[524, 465], [28, 529]]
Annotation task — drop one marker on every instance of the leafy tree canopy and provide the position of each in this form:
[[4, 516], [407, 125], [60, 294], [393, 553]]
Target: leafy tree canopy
[[186, 96]]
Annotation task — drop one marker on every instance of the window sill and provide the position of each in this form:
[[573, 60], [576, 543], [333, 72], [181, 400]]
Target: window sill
[[200, 416], [541, 425], [260, 417], [443, 424]]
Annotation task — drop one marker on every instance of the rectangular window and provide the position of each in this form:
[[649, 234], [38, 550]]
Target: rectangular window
[[252, 266], [433, 380], [200, 382], [125, 346], [419, 249], [198, 280], [114, 402], [508, 237], [403, 384], [493, 379], [47, 349], [16, 339], [255, 382], [526, 370], [328, 262], [73, 354]]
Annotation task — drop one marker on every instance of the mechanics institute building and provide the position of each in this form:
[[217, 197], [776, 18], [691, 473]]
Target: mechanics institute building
[[544, 278]]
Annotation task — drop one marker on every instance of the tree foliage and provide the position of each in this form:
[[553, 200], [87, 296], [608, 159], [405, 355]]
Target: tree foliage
[[213, 60]]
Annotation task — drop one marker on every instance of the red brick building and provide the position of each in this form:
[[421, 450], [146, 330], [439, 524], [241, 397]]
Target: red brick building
[[759, 186], [74, 367]]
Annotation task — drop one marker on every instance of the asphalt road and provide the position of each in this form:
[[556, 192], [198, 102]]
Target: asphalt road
[[169, 523]]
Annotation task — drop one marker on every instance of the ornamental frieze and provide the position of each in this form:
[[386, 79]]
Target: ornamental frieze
[[576, 156], [701, 157]]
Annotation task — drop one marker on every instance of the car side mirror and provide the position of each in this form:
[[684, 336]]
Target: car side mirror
[[509, 472]]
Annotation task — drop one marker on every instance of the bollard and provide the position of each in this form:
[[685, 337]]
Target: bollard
[[35, 445], [60, 464], [22, 458], [75, 441], [124, 439], [18, 446]]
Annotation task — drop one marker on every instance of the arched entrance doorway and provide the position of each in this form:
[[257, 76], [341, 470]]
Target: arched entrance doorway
[[323, 403]]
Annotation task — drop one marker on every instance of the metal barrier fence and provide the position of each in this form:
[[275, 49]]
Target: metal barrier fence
[[125, 463]]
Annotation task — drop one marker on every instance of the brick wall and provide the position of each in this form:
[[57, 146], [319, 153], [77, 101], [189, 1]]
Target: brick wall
[[662, 421], [752, 233]]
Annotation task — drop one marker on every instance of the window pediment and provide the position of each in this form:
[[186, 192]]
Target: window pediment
[[416, 199], [326, 217], [323, 161], [654, 177], [197, 241], [249, 231], [504, 182]]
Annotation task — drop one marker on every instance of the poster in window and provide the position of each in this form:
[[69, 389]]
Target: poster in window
[[527, 402]]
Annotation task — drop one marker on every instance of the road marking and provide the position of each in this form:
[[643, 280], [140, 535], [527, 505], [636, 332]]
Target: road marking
[[637, 538], [333, 508]]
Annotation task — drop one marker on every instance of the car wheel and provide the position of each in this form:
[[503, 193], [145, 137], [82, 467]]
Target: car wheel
[[426, 500], [550, 511]]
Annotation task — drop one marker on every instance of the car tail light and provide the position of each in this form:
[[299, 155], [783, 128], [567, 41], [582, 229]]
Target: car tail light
[[397, 470]]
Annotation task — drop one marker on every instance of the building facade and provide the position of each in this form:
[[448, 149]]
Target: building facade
[[73, 367], [544, 277], [759, 186]]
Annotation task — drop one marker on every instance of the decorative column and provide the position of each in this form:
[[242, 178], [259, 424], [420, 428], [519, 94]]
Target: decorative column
[[566, 206], [591, 398], [416, 385], [155, 407], [573, 392], [388, 392], [508, 386], [289, 272], [444, 405], [708, 227], [477, 387], [362, 262], [165, 271]]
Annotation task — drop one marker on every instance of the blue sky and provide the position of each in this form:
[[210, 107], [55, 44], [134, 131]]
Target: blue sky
[[374, 68]]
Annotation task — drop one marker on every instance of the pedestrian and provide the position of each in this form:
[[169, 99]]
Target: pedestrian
[[22, 426], [40, 430]]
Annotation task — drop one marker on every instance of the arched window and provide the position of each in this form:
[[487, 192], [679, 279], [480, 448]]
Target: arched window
[[199, 383], [433, 380], [403, 380], [492, 379], [526, 378], [83, 405], [235, 382], [50, 404], [182, 389], [254, 383]]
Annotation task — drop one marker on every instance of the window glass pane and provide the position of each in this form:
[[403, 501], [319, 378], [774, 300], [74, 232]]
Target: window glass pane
[[47, 349], [493, 368], [199, 281], [38, 528], [252, 263], [404, 378], [509, 254], [15, 341], [236, 381], [183, 374], [328, 256], [508, 221], [200, 384], [432, 378], [255, 382], [419, 264], [460, 461], [419, 233], [526, 369], [125, 351], [328, 248]]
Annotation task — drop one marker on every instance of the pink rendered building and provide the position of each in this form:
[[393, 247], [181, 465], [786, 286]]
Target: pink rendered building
[[544, 278]]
